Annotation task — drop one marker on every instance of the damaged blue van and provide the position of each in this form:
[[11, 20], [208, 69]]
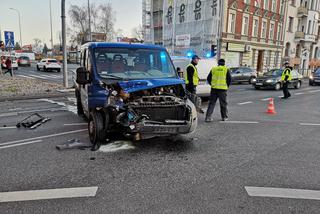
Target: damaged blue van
[[132, 90]]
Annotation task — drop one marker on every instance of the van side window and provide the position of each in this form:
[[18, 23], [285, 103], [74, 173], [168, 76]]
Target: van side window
[[83, 60], [88, 61]]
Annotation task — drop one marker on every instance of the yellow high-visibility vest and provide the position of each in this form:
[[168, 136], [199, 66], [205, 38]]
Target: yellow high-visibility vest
[[286, 72], [195, 75], [219, 77]]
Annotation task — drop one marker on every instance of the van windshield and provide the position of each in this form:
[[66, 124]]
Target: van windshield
[[133, 63]]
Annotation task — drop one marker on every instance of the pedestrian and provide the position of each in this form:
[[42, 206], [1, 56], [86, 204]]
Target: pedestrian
[[286, 77], [8, 63], [220, 80], [192, 81]]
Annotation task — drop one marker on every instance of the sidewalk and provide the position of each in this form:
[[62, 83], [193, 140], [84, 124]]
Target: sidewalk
[[12, 88]]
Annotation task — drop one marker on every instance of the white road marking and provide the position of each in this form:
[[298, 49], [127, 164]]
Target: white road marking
[[309, 124], [50, 76], [75, 124], [45, 194], [9, 114], [299, 93], [8, 127], [40, 77], [283, 193], [240, 122], [117, 146], [25, 76], [266, 99], [244, 103], [314, 91], [42, 137], [70, 108], [19, 144]]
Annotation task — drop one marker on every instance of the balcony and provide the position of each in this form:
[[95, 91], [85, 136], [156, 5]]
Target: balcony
[[299, 35], [302, 12], [310, 38]]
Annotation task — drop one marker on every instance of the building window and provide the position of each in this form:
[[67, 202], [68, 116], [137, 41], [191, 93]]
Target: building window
[[287, 50], [271, 35], [245, 25], [298, 50], [316, 52], [268, 53], [274, 5], [255, 28], [266, 4], [232, 23], [279, 32], [290, 26], [309, 27], [264, 29]]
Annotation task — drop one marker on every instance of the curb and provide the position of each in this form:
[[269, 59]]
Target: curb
[[36, 96]]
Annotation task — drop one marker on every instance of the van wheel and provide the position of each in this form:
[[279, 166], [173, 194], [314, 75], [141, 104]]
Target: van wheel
[[298, 85], [79, 104], [96, 130], [277, 87]]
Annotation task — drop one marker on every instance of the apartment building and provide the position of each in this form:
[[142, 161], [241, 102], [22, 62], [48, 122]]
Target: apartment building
[[302, 34], [152, 18]]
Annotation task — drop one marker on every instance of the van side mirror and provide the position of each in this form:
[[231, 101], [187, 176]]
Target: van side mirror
[[82, 76]]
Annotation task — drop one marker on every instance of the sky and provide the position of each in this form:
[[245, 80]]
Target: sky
[[35, 17]]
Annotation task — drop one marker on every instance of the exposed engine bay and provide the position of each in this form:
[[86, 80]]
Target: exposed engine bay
[[159, 110]]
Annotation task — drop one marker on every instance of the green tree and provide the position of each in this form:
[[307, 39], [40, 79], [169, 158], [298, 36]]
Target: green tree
[[17, 46]]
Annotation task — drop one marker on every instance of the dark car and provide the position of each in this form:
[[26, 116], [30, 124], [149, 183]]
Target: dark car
[[314, 78], [24, 61], [243, 74], [272, 80]]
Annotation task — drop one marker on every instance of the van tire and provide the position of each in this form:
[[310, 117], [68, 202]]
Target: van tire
[[96, 129]]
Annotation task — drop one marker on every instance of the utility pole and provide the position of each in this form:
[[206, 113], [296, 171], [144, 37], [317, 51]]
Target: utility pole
[[19, 23], [64, 43], [90, 35], [51, 24], [220, 28]]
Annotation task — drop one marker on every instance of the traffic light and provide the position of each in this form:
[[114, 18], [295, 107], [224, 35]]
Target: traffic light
[[213, 50]]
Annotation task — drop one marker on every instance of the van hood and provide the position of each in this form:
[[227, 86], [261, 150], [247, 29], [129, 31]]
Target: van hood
[[138, 85]]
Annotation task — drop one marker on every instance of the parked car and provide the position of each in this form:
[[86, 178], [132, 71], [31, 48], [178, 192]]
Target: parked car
[[272, 80], [131, 90], [243, 74], [314, 78], [24, 61], [49, 65], [204, 67]]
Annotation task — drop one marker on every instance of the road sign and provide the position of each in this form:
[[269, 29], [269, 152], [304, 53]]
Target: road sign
[[9, 39]]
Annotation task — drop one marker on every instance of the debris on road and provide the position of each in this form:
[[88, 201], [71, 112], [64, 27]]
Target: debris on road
[[73, 144], [33, 121]]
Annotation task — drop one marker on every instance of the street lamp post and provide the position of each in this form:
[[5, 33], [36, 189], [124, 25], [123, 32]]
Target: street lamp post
[[64, 43], [19, 23]]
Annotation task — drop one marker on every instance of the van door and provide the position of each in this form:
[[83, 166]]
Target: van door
[[84, 88]]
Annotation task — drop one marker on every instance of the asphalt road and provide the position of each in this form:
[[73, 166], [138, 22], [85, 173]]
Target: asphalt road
[[50, 76], [208, 171]]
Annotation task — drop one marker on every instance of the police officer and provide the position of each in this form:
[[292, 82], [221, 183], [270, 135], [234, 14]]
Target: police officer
[[192, 81], [220, 79], [286, 77]]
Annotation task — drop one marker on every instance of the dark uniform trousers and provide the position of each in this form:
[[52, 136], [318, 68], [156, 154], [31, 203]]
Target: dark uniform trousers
[[286, 92], [214, 96]]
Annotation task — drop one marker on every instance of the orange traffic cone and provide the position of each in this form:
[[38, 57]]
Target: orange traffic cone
[[271, 109]]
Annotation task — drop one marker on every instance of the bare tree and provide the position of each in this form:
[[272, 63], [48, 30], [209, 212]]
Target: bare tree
[[107, 19], [138, 32], [37, 45], [102, 21]]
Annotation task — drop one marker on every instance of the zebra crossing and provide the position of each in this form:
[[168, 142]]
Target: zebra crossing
[[40, 76]]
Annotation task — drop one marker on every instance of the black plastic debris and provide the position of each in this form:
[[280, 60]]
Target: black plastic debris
[[73, 144], [33, 121]]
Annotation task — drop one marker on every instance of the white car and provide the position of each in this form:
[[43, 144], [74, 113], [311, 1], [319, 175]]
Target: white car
[[49, 65], [204, 67], [14, 63]]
